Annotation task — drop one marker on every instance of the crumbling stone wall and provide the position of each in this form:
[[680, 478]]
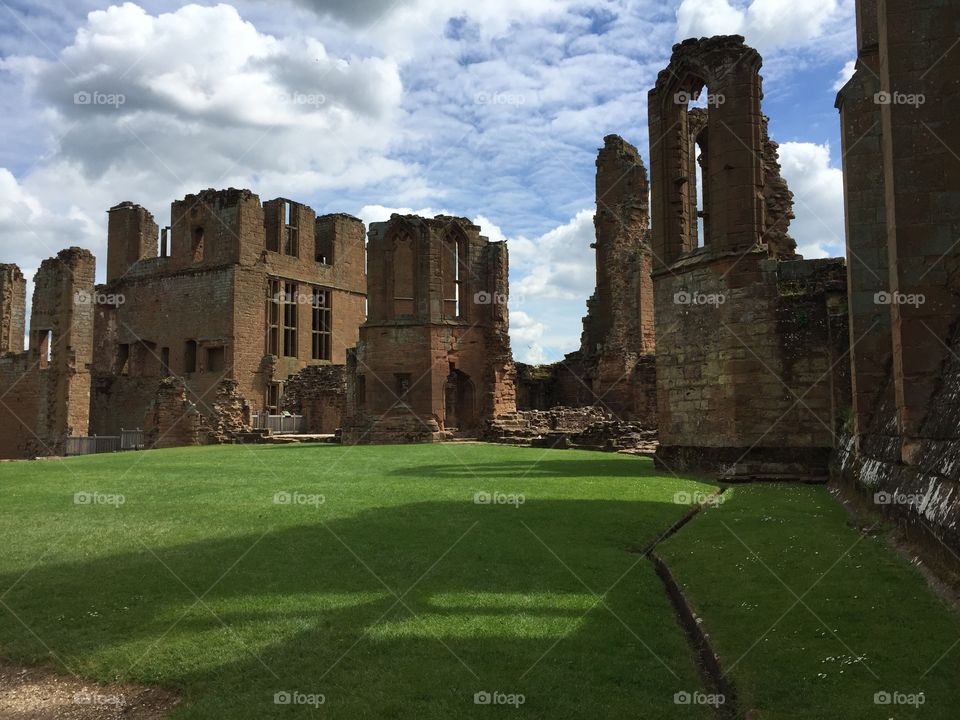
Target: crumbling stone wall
[[13, 307], [617, 344], [746, 378], [749, 337], [172, 420], [47, 388], [319, 393], [900, 117], [213, 305], [434, 356]]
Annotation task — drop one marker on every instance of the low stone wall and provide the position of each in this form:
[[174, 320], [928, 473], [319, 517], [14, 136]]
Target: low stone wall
[[319, 393], [399, 427], [589, 427]]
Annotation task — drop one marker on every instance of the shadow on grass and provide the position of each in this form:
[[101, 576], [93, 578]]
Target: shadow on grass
[[492, 599]]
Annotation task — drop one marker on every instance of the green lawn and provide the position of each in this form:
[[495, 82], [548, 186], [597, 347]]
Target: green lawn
[[396, 597], [865, 621]]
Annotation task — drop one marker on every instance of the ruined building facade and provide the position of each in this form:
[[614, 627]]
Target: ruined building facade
[[750, 338], [46, 389], [614, 369], [241, 292], [434, 355], [900, 119], [235, 301]]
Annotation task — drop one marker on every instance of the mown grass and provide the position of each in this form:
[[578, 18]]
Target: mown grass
[[201, 582], [811, 617]]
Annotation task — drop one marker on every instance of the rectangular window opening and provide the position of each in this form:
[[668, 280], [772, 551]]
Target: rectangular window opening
[[190, 356], [290, 292], [291, 233], [322, 325], [216, 359], [273, 318]]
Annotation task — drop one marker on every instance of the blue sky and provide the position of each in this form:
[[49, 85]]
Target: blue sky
[[490, 110]]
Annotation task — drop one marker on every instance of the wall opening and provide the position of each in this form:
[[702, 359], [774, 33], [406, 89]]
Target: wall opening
[[216, 359], [198, 244], [401, 383], [360, 391], [123, 359], [322, 325], [290, 292], [403, 276], [190, 356], [291, 235], [273, 317], [165, 362], [273, 398], [45, 343]]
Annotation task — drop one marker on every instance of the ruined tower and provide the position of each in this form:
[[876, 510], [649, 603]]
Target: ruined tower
[[13, 305], [131, 237], [434, 356], [620, 312], [47, 396], [750, 339]]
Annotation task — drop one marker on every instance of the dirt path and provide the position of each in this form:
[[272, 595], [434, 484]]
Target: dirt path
[[38, 694]]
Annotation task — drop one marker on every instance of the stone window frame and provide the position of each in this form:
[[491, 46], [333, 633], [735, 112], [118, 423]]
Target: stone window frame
[[290, 320], [322, 324]]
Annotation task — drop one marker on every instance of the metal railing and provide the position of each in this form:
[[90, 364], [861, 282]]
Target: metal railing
[[131, 440], [280, 424], [91, 445], [95, 444]]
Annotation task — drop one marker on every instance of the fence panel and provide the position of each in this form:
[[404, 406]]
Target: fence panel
[[131, 440], [91, 445], [281, 424]]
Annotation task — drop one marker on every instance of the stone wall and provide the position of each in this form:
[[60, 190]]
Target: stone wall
[[46, 394], [13, 306], [614, 367], [319, 393], [750, 364], [900, 117], [434, 356], [216, 306], [751, 342]]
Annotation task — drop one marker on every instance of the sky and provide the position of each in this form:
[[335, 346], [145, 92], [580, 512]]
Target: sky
[[490, 110]]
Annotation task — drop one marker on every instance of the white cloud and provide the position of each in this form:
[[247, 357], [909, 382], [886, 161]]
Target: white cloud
[[200, 97], [818, 202], [560, 264], [845, 74], [526, 336], [766, 24]]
